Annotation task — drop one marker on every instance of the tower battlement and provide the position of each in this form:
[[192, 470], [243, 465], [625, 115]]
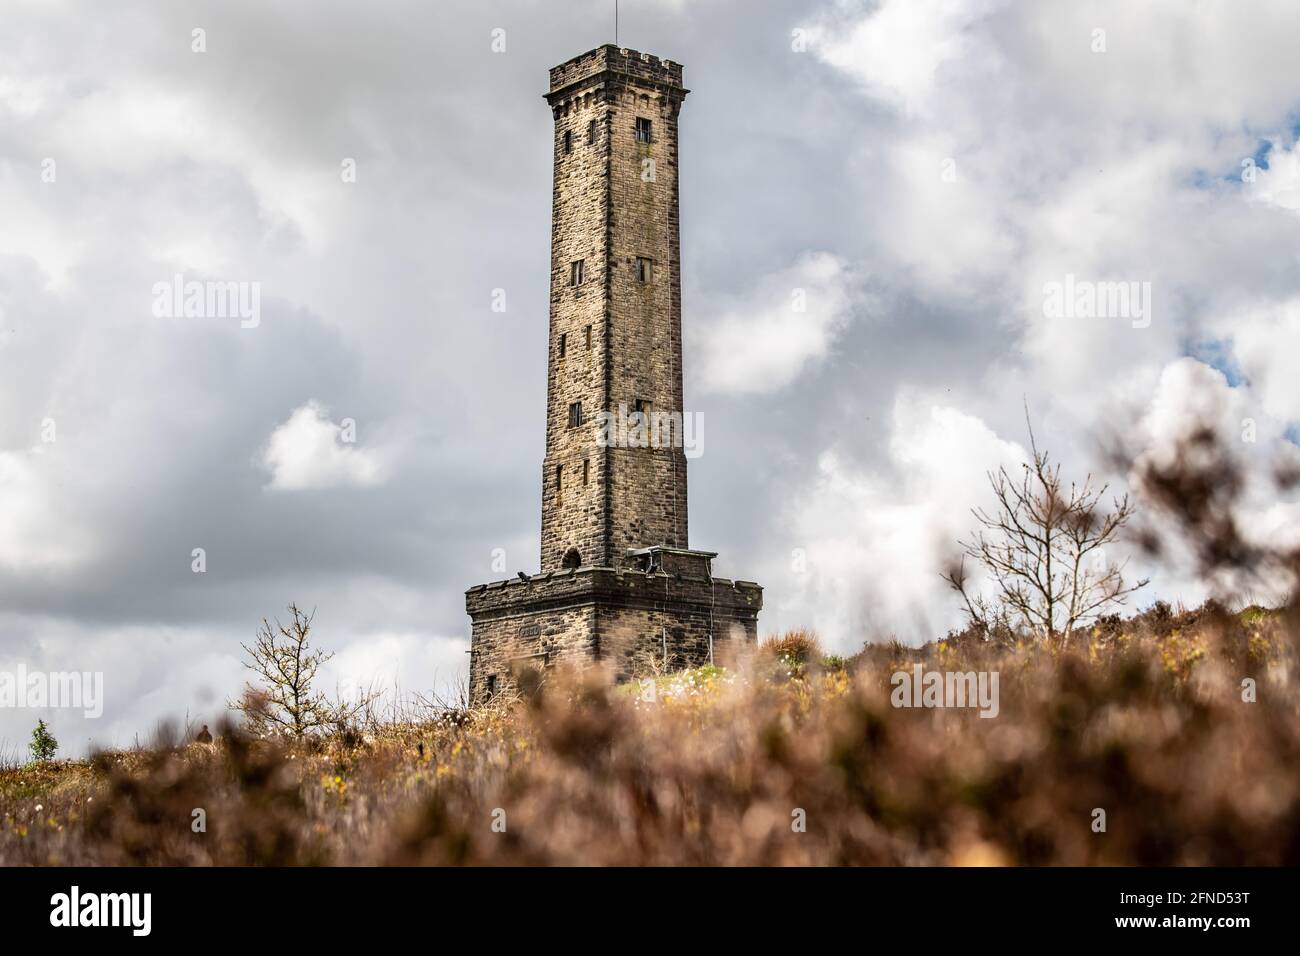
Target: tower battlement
[[611, 62]]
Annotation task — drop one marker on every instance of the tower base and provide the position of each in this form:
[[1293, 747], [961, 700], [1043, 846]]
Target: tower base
[[664, 612]]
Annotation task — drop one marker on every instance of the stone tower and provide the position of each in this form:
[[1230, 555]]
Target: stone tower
[[616, 310], [618, 583]]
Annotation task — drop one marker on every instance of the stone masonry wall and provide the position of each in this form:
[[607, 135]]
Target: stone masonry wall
[[615, 200], [648, 484], [573, 478], [634, 622]]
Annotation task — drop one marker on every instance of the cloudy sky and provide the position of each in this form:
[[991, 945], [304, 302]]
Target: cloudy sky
[[920, 169]]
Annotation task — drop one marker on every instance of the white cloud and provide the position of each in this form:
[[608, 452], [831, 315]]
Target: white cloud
[[1188, 396], [897, 50], [310, 451], [1279, 184], [877, 539], [397, 665], [33, 533], [1266, 343], [786, 324]]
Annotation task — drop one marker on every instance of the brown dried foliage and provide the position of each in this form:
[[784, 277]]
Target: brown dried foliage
[[1145, 718]]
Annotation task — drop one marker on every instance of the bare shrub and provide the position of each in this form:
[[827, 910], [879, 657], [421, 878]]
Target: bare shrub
[[1042, 546], [798, 646], [284, 702]]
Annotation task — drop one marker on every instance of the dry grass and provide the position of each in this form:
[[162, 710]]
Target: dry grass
[[792, 758], [1146, 722]]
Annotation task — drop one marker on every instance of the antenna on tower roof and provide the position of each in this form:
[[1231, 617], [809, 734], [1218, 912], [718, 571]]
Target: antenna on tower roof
[[615, 22]]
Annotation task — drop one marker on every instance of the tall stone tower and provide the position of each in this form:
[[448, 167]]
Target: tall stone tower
[[616, 308], [619, 584]]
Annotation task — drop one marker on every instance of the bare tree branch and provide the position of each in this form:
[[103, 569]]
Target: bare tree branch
[[285, 665], [1042, 545]]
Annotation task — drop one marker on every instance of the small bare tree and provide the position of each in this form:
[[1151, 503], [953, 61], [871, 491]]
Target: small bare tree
[[1042, 545], [285, 664]]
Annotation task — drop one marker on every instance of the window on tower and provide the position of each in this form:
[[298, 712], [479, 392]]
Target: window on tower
[[641, 412], [559, 477], [644, 269], [586, 470], [587, 334], [575, 414], [643, 134], [568, 141], [592, 133], [576, 272], [564, 343]]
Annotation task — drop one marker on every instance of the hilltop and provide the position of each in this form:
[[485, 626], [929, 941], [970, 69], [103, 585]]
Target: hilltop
[[1181, 728]]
